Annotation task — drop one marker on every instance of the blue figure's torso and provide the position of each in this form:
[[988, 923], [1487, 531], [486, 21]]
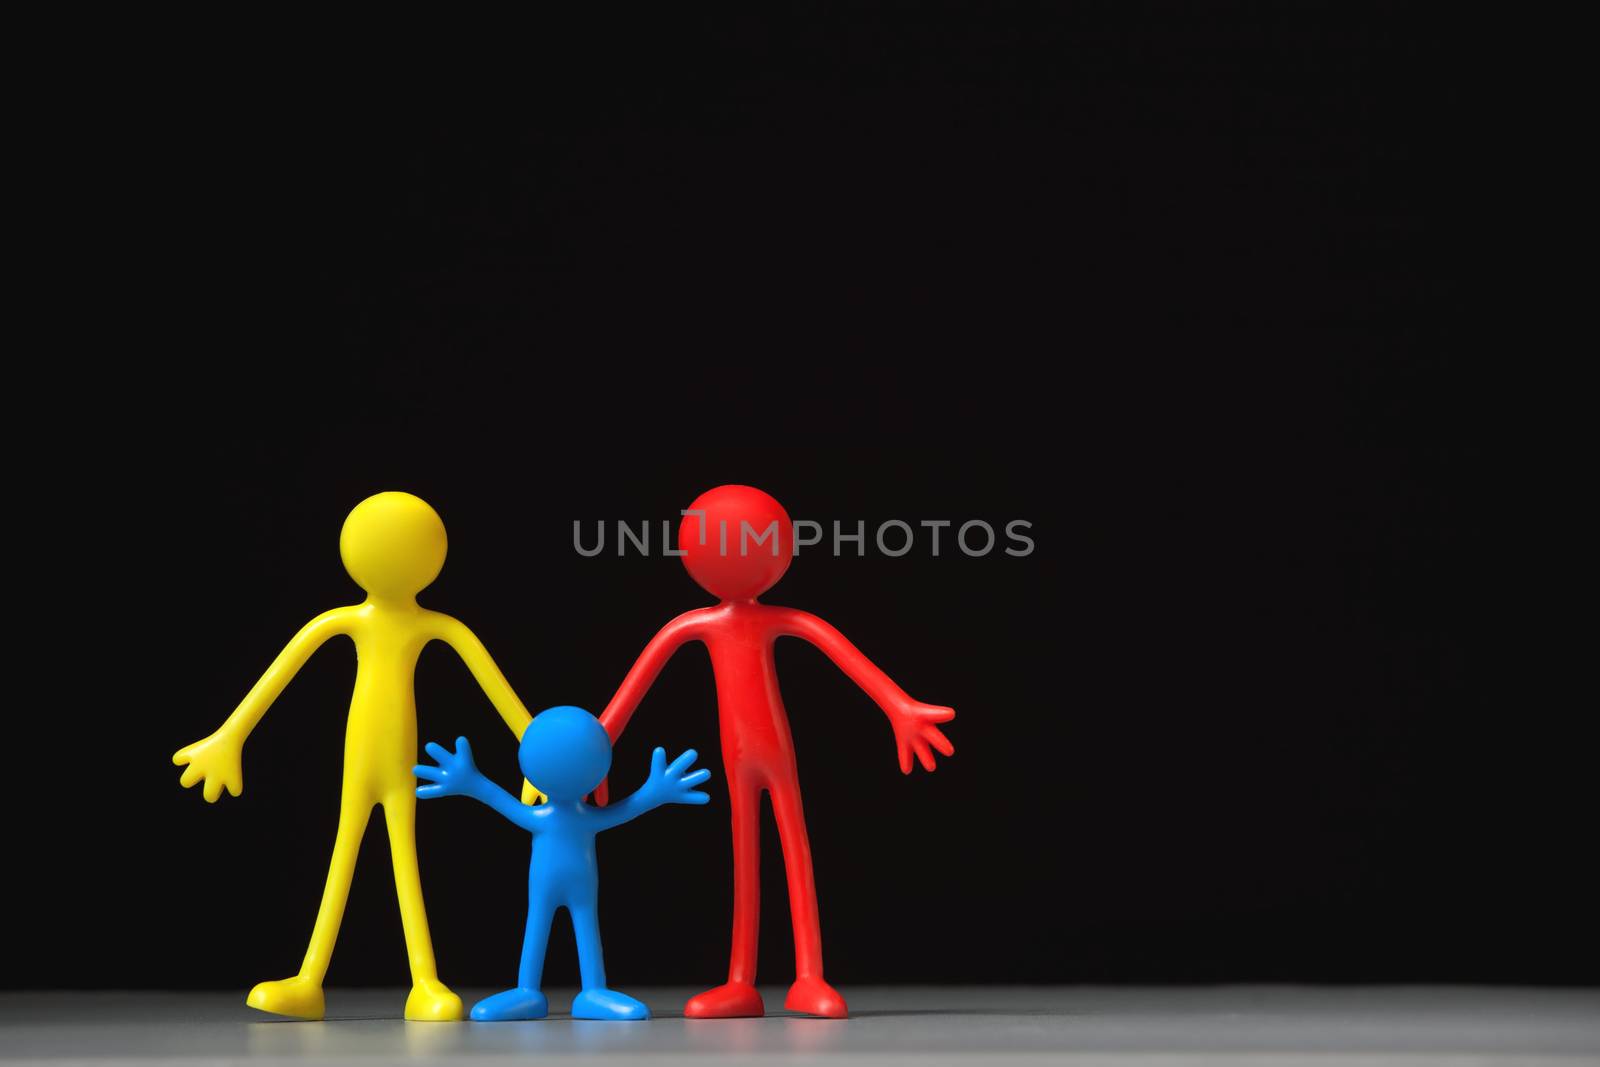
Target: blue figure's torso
[[563, 867]]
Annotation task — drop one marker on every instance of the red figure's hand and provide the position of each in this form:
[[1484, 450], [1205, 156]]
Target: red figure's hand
[[602, 792], [915, 732]]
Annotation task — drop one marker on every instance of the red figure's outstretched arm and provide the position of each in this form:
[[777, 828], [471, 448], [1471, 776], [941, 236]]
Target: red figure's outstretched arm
[[667, 641], [915, 732]]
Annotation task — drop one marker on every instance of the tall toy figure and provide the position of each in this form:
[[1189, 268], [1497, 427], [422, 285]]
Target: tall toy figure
[[393, 545], [737, 542]]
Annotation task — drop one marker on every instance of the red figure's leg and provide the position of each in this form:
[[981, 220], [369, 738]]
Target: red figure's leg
[[738, 998], [809, 994]]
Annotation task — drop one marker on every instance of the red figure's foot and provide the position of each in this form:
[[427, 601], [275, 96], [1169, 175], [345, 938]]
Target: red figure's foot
[[736, 1000], [813, 996]]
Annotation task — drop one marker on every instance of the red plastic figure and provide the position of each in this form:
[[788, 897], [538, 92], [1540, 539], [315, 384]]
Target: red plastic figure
[[736, 543]]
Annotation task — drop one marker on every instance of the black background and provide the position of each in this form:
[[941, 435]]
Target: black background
[[1171, 286]]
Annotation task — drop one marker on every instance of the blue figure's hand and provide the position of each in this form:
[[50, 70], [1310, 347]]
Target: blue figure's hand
[[675, 784], [456, 774]]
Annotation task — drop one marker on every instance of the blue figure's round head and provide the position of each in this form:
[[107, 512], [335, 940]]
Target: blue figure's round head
[[565, 753]]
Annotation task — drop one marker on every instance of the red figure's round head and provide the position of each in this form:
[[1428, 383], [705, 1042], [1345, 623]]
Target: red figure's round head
[[736, 542]]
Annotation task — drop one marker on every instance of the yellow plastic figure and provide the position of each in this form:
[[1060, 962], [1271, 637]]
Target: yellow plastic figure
[[393, 545]]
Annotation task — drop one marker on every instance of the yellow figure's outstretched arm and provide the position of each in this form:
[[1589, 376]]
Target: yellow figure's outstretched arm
[[218, 759], [454, 633]]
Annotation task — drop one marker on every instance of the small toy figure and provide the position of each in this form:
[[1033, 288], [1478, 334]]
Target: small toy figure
[[393, 545], [567, 752], [737, 542]]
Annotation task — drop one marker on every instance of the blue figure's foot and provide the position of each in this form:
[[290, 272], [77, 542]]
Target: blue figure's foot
[[510, 1005], [608, 1005]]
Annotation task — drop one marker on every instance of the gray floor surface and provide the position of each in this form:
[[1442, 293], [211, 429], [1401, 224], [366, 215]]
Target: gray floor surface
[[1127, 1027]]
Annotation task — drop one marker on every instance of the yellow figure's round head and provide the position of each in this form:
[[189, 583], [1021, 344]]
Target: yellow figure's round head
[[393, 544]]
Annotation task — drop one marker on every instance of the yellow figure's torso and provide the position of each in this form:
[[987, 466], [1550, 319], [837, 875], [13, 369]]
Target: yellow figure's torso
[[381, 737]]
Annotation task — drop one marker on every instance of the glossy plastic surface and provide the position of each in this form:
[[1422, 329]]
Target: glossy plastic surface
[[728, 550], [393, 545], [567, 752]]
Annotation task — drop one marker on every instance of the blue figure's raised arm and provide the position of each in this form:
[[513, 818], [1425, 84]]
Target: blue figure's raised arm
[[457, 775], [674, 784]]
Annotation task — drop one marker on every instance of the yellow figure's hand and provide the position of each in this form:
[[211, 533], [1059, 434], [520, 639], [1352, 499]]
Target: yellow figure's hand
[[530, 795], [217, 761]]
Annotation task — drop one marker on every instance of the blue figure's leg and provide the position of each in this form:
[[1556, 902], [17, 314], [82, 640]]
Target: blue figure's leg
[[596, 1001], [530, 972], [525, 1001]]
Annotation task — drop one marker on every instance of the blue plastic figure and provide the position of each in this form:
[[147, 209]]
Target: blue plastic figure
[[565, 752]]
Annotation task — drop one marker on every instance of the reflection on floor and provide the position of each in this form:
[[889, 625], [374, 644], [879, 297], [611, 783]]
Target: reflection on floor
[[1126, 1026]]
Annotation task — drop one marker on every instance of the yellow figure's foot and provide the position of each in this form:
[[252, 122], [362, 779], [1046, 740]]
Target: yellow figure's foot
[[298, 997], [432, 1002]]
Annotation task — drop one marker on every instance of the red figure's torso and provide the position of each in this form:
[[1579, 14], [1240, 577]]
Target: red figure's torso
[[755, 728]]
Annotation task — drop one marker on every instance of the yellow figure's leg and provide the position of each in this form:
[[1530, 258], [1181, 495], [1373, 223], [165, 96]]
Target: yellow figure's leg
[[301, 996], [430, 999]]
